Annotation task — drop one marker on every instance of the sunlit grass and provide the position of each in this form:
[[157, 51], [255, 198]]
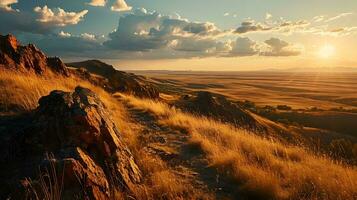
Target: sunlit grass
[[21, 92], [260, 168]]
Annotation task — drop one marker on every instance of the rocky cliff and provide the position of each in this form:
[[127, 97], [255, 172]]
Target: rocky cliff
[[28, 58]]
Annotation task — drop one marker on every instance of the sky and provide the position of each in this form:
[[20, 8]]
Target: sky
[[190, 35]]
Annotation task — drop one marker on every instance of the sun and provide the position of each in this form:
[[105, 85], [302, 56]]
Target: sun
[[327, 51]]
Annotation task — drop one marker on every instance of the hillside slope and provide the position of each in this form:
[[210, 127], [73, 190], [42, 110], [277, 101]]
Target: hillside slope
[[119, 81]]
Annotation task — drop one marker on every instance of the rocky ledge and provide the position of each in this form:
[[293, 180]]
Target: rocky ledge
[[28, 58]]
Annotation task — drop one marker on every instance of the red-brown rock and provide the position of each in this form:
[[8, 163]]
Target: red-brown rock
[[27, 58]]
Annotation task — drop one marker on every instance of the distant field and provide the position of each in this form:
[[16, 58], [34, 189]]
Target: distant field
[[299, 90]]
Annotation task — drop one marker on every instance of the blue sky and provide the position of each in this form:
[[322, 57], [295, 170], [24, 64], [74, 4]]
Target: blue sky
[[167, 34]]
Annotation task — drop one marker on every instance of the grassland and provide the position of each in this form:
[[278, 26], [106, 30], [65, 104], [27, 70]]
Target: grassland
[[323, 90], [252, 167], [21, 92], [259, 168]]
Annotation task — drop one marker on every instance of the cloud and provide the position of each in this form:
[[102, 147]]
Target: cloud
[[69, 45], [194, 45], [88, 36], [282, 26], [16, 21], [268, 16], [143, 31], [244, 46], [251, 26], [64, 34], [97, 2], [336, 32], [226, 14], [6, 4], [142, 34], [277, 47], [120, 5], [319, 18], [58, 16], [338, 17]]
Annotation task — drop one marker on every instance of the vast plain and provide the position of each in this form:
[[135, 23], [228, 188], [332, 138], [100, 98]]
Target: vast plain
[[324, 90]]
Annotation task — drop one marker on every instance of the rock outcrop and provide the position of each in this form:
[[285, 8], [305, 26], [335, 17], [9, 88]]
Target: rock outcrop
[[86, 145], [119, 81], [218, 107], [28, 58]]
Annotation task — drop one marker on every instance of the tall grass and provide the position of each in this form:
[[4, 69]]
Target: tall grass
[[49, 185], [259, 168], [21, 92]]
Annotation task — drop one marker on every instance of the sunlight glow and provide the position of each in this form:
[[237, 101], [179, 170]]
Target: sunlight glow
[[327, 51]]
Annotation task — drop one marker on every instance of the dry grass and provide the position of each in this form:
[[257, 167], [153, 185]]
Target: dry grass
[[260, 168], [19, 92]]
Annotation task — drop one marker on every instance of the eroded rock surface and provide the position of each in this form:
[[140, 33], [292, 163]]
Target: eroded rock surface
[[28, 58], [86, 144]]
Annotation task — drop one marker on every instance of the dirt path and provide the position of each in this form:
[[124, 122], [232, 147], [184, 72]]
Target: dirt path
[[184, 159]]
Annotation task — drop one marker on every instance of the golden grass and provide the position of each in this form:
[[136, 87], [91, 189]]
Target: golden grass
[[260, 168], [22, 92]]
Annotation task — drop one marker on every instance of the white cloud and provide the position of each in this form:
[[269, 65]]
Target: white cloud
[[88, 36], [268, 16], [64, 34], [319, 18], [120, 5], [143, 31], [338, 17], [58, 16], [6, 4], [97, 2], [226, 14]]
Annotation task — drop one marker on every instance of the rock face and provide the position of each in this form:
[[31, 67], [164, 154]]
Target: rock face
[[27, 58], [119, 81], [86, 144], [205, 103]]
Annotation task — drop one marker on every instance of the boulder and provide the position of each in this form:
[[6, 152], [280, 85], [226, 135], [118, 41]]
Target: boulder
[[87, 146]]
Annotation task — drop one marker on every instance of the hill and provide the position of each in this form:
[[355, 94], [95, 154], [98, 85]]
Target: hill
[[118, 80], [65, 135]]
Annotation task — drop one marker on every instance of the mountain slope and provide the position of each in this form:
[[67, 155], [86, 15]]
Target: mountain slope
[[118, 80]]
